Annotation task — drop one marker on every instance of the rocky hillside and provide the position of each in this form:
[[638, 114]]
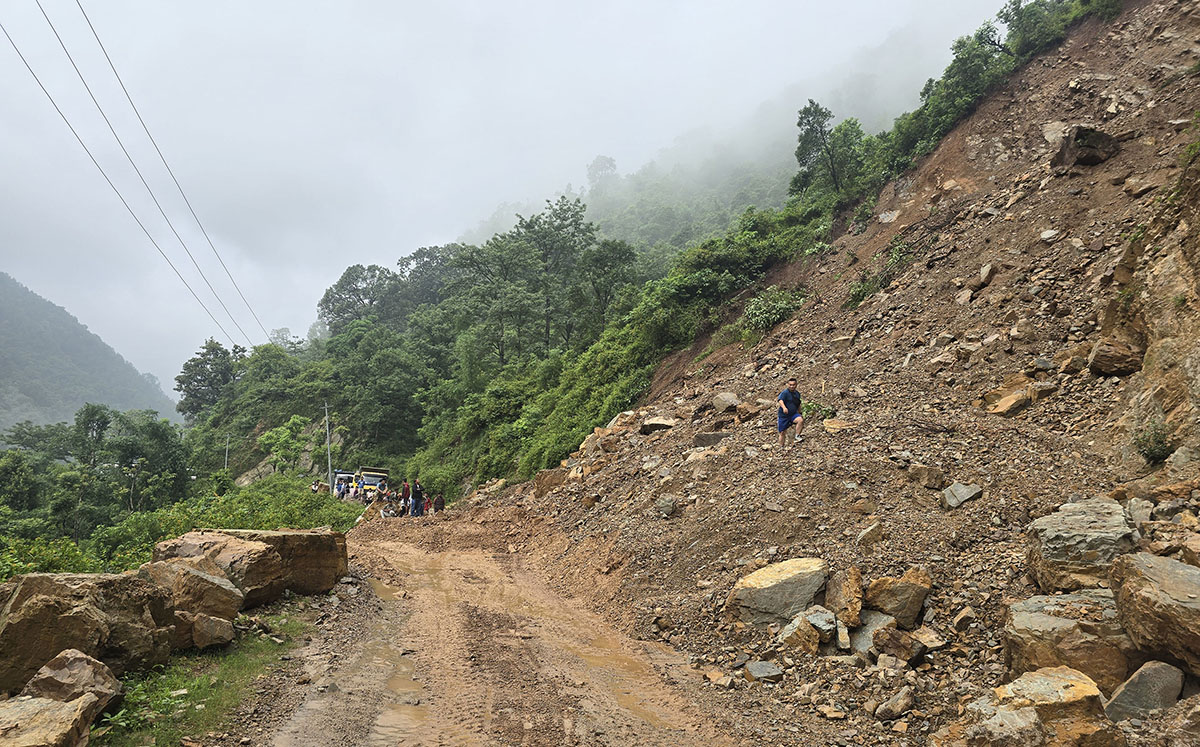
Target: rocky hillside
[[979, 513], [51, 365]]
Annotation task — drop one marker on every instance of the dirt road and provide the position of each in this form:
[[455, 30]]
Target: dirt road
[[472, 649]]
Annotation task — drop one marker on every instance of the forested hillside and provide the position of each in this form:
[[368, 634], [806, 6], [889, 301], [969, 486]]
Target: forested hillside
[[473, 361], [51, 365]]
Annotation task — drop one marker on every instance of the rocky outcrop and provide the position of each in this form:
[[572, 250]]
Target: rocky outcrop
[[778, 592], [313, 559], [1074, 547], [900, 597], [1053, 706], [1113, 357], [73, 674], [198, 588], [42, 722], [1158, 602], [1077, 630], [120, 619]]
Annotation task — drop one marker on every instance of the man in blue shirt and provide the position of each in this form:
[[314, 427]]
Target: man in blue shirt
[[789, 413]]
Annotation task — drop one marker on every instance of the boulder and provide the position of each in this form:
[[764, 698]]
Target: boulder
[[1074, 547], [900, 597], [843, 595], [862, 640], [726, 402], [657, 423], [254, 567], [1158, 603], [800, 635], [822, 620], [897, 705], [704, 439], [120, 619], [1052, 706], [763, 671], [197, 586], [901, 644], [42, 722], [1113, 357], [926, 476], [209, 631], [549, 479], [1085, 146], [1154, 687], [1079, 630], [778, 592], [958, 494], [313, 559], [73, 674]]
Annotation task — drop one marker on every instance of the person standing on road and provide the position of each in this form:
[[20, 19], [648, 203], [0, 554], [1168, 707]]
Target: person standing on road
[[418, 498], [790, 413]]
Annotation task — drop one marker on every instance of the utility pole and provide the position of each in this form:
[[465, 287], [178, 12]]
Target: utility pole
[[328, 449], [226, 451]]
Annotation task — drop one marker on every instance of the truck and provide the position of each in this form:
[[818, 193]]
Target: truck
[[371, 477]]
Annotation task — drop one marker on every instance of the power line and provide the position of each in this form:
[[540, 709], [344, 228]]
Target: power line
[[145, 183], [163, 158], [121, 197]]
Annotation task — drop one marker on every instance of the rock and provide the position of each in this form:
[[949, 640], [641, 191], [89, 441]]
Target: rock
[[254, 567], [704, 439], [1052, 706], [800, 635], [120, 619], [822, 620], [210, 631], [870, 535], [929, 638], [963, 297], [958, 494], [1158, 603], [843, 595], [313, 559], [1113, 357], [862, 639], [655, 424], [1085, 146], [726, 402], [1074, 547], [897, 705], [900, 597], [929, 477], [963, 620], [1050, 235], [1154, 687], [1079, 630], [842, 637], [42, 722], [899, 643], [763, 671], [196, 586], [987, 274], [778, 592], [71, 675], [549, 479], [666, 505]]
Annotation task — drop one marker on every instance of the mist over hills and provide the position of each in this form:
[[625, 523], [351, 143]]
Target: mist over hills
[[51, 365]]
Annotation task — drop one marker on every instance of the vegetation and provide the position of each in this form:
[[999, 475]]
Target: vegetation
[[1153, 442]]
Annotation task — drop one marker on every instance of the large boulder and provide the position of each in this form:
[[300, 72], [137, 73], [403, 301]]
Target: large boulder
[[1074, 547], [1053, 706], [1085, 146], [862, 640], [313, 559], [73, 674], [207, 630], [725, 402], [1154, 687], [254, 567], [778, 592], [120, 619], [1077, 630], [197, 587], [1113, 357], [42, 722], [900, 597], [1158, 603]]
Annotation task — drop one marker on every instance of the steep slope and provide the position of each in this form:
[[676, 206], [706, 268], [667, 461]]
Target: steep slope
[[51, 365], [1031, 316]]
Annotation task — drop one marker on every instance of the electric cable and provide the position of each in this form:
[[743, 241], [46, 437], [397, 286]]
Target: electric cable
[[103, 173], [138, 171], [163, 158]]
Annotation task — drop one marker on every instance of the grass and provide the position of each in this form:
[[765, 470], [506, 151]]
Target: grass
[[197, 691]]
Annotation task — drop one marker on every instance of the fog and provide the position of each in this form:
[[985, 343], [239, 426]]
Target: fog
[[313, 135]]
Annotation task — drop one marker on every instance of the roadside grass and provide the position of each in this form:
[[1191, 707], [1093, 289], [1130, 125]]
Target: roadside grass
[[195, 692]]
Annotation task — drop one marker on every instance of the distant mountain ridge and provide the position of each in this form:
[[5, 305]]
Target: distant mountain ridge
[[51, 365]]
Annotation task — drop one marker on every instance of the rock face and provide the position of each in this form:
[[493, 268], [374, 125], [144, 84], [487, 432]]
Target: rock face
[[1155, 686], [1074, 547], [1077, 630], [1113, 357], [1085, 146], [1053, 706], [254, 567], [120, 619], [42, 722], [1158, 602], [843, 596], [197, 587], [73, 674], [778, 592], [900, 597]]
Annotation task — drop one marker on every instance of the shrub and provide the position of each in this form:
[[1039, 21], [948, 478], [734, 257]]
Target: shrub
[[770, 307], [1152, 442]]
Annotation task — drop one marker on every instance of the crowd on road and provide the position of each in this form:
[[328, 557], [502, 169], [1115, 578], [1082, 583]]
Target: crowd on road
[[404, 500]]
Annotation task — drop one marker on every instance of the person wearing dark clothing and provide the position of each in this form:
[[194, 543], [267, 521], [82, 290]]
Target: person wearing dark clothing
[[790, 413], [439, 503], [418, 499]]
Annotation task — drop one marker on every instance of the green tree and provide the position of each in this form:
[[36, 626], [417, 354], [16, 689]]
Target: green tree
[[284, 444], [360, 292], [206, 376], [87, 437], [815, 151], [19, 489]]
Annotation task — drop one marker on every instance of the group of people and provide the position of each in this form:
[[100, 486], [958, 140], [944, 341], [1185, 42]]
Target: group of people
[[406, 500]]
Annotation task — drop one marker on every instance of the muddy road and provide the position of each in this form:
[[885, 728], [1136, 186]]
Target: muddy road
[[471, 648]]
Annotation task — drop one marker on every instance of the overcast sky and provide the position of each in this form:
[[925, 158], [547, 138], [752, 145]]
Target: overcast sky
[[314, 135]]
